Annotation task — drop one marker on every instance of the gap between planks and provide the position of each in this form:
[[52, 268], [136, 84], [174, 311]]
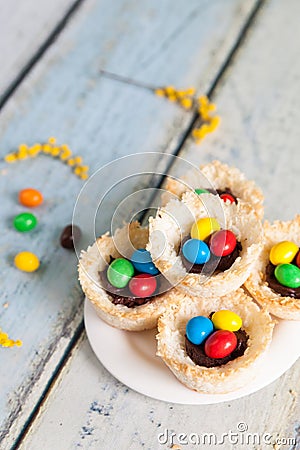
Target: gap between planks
[[10, 90], [65, 358], [210, 93]]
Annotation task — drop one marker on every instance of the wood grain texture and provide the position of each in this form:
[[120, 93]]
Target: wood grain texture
[[259, 134], [101, 120], [24, 27], [90, 409], [259, 131]]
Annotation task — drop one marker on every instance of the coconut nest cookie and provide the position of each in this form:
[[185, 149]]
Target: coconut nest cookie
[[173, 223], [233, 375], [283, 307], [222, 177], [96, 258]]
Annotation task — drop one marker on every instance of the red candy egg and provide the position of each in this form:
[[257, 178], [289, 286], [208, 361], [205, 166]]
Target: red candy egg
[[220, 344], [298, 259], [142, 285], [222, 243], [226, 197]]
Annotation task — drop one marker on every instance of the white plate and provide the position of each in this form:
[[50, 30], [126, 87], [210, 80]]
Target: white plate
[[130, 357]]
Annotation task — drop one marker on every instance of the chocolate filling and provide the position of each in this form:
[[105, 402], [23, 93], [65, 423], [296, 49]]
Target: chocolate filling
[[222, 191], [198, 356], [123, 296], [284, 291], [214, 264]]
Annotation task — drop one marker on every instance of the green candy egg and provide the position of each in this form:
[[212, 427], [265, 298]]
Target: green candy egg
[[25, 222], [201, 191], [288, 275], [120, 272]]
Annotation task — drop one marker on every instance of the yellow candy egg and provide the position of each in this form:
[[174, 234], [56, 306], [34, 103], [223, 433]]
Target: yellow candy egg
[[226, 320], [283, 253], [27, 261], [204, 227]]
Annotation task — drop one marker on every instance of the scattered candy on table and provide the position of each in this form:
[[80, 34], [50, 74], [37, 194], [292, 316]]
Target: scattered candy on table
[[30, 197], [69, 236], [226, 320], [25, 222], [142, 262], [205, 108], [196, 251], [143, 285], [198, 329], [5, 341], [185, 98], [288, 275], [119, 272], [222, 243], [51, 148], [27, 262], [204, 227], [220, 344], [209, 122]]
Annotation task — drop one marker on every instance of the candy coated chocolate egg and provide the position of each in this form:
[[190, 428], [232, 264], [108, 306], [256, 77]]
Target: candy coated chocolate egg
[[204, 227], [298, 259], [198, 329], [201, 191], [288, 275], [142, 262], [27, 261], [222, 243], [283, 253], [30, 197], [70, 235], [195, 251], [25, 222], [226, 320], [142, 285], [227, 197], [220, 344], [120, 272]]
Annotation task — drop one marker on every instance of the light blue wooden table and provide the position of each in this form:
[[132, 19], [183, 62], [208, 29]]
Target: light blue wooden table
[[245, 54]]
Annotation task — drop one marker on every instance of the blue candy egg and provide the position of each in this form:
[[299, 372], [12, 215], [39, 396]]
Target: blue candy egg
[[196, 251], [198, 329], [142, 262]]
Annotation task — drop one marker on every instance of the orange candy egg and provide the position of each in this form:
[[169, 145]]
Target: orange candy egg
[[30, 197]]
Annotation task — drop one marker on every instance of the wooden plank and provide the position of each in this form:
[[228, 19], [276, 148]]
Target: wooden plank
[[258, 134], [90, 409], [24, 27], [257, 103], [101, 120]]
